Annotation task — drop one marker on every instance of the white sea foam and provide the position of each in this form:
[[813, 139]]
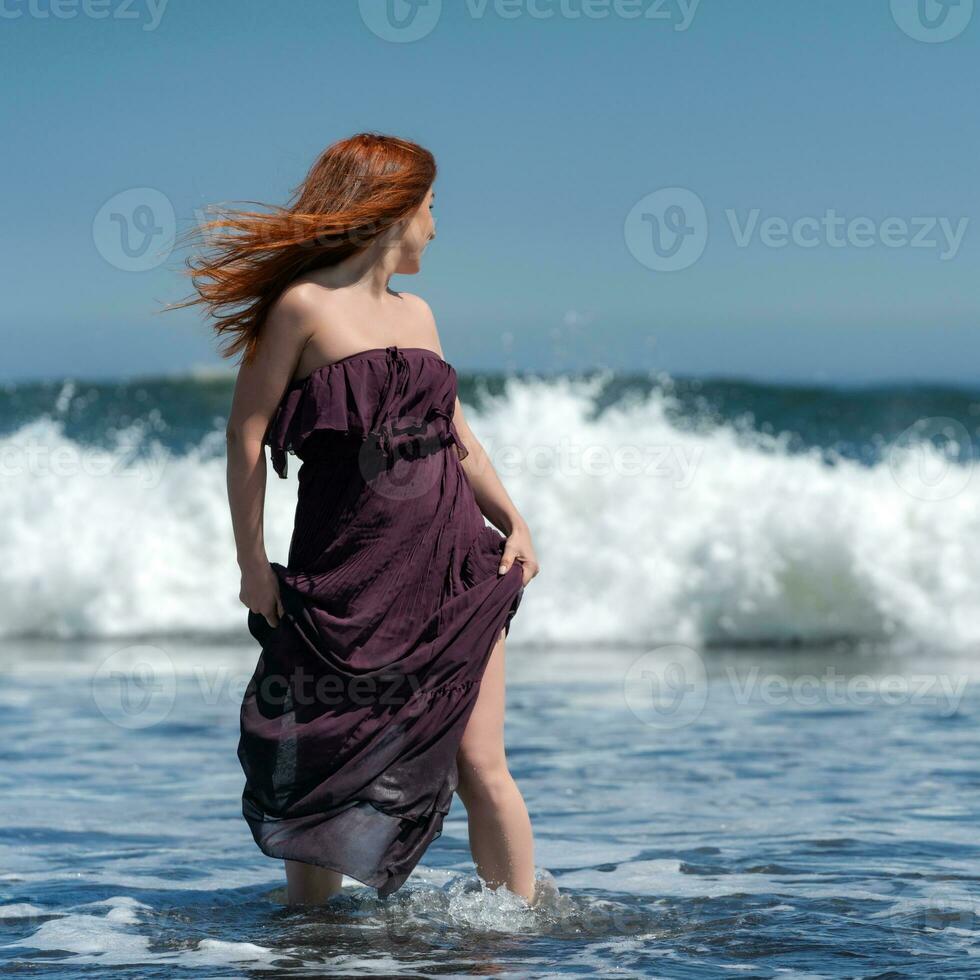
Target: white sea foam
[[646, 533], [111, 938]]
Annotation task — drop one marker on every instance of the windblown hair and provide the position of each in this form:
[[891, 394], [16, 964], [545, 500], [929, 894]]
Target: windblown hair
[[357, 189]]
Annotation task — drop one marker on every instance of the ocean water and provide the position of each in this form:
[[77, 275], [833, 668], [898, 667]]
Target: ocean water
[[742, 694]]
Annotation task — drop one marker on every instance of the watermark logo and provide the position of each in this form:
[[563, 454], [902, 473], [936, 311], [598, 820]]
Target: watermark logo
[[404, 459], [932, 459], [932, 21], [401, 21], [135, 230], [667, 688], [135, 687], [926, 917], [667, 230]]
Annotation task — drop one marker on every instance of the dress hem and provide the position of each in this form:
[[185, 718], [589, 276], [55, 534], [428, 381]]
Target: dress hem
[[385, 880]]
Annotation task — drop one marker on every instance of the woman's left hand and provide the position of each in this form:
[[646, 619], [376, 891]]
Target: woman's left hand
[[519, 548]]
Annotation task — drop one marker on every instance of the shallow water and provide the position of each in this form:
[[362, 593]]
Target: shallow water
[[815, 819]]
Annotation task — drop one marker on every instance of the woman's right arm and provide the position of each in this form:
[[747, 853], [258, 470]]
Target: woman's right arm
[[258, 391]]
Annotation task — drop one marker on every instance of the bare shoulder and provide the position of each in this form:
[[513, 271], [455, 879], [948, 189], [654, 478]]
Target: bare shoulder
[[422, 321], [293, 316], [283, 336], [303, 302], [417, 307]]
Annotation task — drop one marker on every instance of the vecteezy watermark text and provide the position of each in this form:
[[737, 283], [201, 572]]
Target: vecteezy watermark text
[[668, 688], [148, 12], [679, 13], [835, 231], [404, 21], [835, 689], [668, 230], [676, 463], [34, 458]]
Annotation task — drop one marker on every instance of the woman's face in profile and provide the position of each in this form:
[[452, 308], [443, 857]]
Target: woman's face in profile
[[419, 231]]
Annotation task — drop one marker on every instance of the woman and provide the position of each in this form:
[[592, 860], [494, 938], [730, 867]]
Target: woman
[[379, 691]]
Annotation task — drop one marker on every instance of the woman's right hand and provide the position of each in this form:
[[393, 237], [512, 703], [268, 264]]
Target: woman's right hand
[[260, 592]]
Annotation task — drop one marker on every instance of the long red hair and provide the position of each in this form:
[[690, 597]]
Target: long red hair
[[357, 189]]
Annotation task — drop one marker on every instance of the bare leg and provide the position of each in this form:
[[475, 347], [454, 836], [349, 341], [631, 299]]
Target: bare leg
[[499, 827], [309, 884]]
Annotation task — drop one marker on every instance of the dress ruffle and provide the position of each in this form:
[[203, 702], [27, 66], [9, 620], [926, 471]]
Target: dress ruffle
[[349, 397]]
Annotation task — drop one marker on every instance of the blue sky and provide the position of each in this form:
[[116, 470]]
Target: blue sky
[[553, 121]]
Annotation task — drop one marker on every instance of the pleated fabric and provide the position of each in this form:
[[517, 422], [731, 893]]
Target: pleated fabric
[[352, 719]]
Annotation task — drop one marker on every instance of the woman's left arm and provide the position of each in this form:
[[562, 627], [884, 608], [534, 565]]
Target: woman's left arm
[[491, 497], [494, 501]]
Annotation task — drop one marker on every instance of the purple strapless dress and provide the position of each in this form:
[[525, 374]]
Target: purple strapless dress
[[352, 720]]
